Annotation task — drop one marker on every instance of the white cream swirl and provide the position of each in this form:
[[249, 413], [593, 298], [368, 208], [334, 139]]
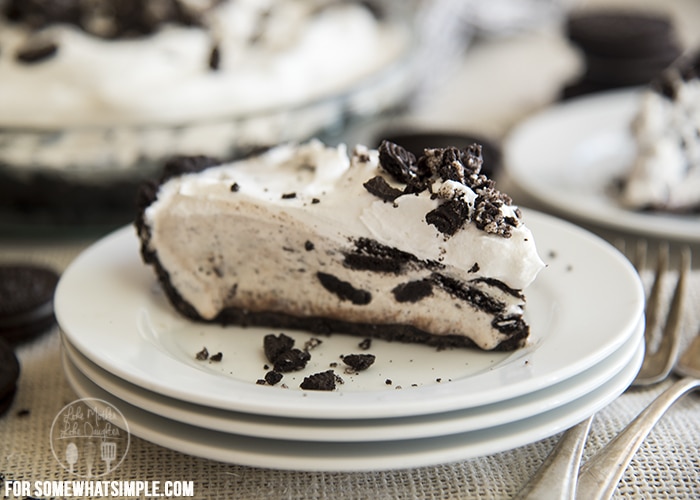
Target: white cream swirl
[[321, 188]]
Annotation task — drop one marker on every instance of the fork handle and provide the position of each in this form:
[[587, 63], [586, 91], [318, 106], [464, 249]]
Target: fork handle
[[556, 477], [600, 474]]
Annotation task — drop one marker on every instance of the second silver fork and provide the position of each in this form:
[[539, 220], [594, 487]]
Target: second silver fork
[[558, 475]]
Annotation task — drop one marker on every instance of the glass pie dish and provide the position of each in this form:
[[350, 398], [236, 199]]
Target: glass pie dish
[[61, 167]]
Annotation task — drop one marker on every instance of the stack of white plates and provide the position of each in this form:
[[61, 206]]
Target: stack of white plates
[[415, 406]]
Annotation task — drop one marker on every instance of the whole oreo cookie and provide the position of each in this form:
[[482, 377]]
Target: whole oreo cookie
[[620, 48], [9, 373], [614, 72], [415, 141], [6, 402], [619, 33], [26, 301]]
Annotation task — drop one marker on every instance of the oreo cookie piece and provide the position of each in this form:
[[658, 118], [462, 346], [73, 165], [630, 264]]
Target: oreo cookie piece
[[415, 141], [26, 301], [9, 373]]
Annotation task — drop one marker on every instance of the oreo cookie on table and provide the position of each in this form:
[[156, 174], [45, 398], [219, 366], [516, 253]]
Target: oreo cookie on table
[[620, 48], [9, 373], [415, 141], [26, 301]]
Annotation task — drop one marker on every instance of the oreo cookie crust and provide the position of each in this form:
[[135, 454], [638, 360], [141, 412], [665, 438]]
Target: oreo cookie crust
[[26, 301]]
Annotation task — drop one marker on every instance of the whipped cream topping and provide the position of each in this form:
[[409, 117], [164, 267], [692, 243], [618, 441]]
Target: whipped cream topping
[[322, 188], [666, 172], [269, 55]]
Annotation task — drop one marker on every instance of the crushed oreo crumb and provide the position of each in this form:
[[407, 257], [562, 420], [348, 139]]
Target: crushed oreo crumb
[[344, 290], [215, 58], [312, 343], [37, 53], [397, 161], [359, 362], [380, 188], [202, 355], [217, 357], [315, 201], [365, 344], [487, 216], [413, 291], [235, 187], [323, 381], [447, 164], [291, 361], [475, 268], [369, 255], [289, 196], [361, 154], [276, 345], [308, 246], [449, 216], [273, 377]]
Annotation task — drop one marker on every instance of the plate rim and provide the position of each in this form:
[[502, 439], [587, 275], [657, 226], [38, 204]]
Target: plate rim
[[388, 429], [333, 457]]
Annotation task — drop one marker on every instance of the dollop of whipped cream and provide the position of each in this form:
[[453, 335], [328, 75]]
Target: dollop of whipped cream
[[666, 172], [438, 208]]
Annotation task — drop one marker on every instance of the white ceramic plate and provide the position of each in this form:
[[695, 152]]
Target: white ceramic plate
[[569, 156], [384, 429], [582, 307], [355, 456]]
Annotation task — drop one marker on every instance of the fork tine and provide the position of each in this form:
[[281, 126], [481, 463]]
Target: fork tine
[[657, 365], [653, 306]]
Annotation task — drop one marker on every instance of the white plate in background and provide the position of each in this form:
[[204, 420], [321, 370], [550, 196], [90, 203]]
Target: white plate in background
[[569, 156]]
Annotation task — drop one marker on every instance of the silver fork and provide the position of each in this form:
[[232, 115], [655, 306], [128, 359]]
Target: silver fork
[[558, 477], [658, 360], [600, 475]]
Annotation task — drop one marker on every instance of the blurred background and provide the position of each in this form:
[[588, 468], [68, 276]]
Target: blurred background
[[95, 96]]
